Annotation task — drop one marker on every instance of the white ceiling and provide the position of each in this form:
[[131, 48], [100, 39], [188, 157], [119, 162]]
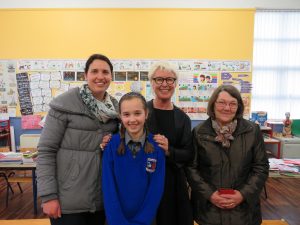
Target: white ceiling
[[258, 4]]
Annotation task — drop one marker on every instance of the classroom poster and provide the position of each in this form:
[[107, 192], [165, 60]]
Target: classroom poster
[[242, 81], [39, 81], [8, 85]]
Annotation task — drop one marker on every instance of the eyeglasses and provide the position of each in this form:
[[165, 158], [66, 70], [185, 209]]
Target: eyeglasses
[[223, 104], [160, 80]]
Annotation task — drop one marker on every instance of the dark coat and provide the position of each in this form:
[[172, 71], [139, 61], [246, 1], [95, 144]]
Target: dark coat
[[244, 167], [175, 207]]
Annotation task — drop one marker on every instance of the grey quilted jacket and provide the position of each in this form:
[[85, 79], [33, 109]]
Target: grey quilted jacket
[[69, 164]]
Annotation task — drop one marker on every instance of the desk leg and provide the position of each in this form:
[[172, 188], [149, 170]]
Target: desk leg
[[34, 190], [279, 148]]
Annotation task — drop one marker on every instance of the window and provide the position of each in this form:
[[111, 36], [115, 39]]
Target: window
[[276, 63]]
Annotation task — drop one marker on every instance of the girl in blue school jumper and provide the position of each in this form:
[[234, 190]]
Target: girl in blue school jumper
[[133, 167]]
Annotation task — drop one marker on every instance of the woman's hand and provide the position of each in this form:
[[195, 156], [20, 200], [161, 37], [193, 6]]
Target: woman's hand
[[162, 142], [218, 200], [234, 199], [52, 209], [105, 141], [231, 200]]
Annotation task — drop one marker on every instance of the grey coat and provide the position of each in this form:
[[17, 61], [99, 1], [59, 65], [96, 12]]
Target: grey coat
[[244, 167], [69, 164]]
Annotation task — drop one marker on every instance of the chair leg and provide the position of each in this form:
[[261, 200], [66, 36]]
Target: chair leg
[[9, 186], [7, 195], [20, 187], [12, 174], [7, 183]]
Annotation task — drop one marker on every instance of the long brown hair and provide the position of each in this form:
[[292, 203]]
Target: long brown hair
[[128, 96]]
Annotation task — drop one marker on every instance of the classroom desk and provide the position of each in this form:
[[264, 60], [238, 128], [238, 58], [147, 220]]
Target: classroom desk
[[274, 142], [26, 166], [26, 222]]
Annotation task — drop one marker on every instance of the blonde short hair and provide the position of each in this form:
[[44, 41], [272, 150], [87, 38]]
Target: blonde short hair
[[162, 65]]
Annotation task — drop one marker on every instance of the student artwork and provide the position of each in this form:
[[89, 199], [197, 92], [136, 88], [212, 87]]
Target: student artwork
[[193, 98], [80, 76], [8, 83], [200, 66], [123, 65], [205, 77], [132, 76], [185, 65], [136, 86], [49, 78], [120, 76], [69, 76], [24, 94], [142, 65], [242, 81], [69, 65], [144, 76]]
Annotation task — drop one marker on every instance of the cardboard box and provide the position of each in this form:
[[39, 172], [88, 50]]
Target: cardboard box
[[277, 128], [259, 117]]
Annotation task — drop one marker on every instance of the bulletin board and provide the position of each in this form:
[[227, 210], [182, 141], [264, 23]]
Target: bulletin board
[[37, 82], [185, 36]]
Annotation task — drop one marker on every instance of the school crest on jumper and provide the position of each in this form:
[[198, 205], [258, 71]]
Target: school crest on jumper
[[151, 165]]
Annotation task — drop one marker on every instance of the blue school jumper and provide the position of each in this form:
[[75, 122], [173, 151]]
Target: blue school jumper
[[132, 186]]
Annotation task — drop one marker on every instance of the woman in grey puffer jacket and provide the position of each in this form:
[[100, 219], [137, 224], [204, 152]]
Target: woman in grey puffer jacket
[[69, 164]]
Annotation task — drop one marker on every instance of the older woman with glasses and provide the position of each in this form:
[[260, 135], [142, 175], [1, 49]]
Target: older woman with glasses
[[173, 133], [230, 167]]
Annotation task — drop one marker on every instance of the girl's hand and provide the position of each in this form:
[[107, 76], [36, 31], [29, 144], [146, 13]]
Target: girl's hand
[[105, 141], [162, 142]]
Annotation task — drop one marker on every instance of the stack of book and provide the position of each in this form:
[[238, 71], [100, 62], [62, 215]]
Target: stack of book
[[11, 157], [287, 167]]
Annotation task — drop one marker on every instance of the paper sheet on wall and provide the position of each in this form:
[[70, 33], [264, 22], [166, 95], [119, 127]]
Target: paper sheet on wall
[[49, 78], [31, 122]]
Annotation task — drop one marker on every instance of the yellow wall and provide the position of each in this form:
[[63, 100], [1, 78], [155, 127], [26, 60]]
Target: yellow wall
[[127, 33]]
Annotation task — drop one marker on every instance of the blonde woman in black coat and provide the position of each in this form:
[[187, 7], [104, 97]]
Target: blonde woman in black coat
[[173, 133]]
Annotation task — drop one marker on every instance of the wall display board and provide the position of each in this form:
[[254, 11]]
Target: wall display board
[[199, 78], [39, 81], [8, 88]]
